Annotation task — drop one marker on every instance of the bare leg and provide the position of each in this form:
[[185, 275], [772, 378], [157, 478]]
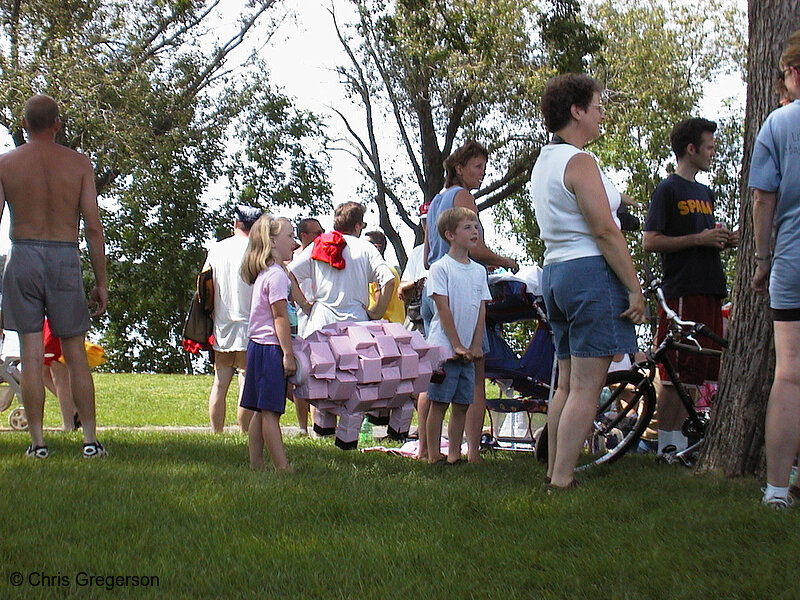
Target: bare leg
[[476, 414], [255, 445], [47, 380], [32, 350], [216, 399], [422, 418], [433, 429], [301, 407], [783, 409], [81, 383], [243, 415], [63, 392], [554, 412], [455, 430], [271, 426], [671, 412], [587, 376]]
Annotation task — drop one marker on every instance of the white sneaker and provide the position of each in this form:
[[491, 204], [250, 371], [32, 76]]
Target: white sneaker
[[94, 450], [778, 503], [37, 452]]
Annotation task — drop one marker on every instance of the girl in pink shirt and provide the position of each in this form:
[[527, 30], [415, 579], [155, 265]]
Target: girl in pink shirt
[[269, 352]]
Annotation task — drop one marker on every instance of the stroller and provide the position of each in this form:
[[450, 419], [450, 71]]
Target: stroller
[[10, 389], [526, 384]]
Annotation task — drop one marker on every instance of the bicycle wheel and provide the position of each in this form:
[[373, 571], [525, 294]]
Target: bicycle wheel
[[625, 408]]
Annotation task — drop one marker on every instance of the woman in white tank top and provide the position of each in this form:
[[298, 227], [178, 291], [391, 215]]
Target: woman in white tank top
[[591, 289]]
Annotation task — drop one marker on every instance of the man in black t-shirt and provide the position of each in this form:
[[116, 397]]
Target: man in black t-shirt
[[681, 227]]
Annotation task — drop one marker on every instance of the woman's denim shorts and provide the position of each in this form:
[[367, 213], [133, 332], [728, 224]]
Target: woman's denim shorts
[[584, 300]]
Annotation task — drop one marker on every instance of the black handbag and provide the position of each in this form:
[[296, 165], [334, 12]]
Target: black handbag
[[205, 287], [199, 325]]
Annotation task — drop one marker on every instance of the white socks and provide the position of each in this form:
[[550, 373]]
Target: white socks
[[772, 491]]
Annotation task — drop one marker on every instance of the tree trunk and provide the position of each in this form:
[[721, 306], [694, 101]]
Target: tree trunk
[[735, 443]]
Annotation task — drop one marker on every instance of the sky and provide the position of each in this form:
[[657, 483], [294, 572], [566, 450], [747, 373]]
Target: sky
[[302, 55]]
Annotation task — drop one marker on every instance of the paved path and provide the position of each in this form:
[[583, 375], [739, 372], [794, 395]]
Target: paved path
[[288, 430]]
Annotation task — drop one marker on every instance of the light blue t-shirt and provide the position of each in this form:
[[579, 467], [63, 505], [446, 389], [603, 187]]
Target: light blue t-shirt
[[437, 245], [775, 167]]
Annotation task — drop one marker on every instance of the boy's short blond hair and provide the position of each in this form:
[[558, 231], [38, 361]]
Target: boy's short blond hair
[[451, 218]]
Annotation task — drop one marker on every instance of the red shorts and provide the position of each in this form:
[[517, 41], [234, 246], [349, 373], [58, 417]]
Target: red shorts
[[693, 369]]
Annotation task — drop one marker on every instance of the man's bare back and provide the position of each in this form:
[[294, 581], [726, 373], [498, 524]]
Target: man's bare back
[[46, 186]]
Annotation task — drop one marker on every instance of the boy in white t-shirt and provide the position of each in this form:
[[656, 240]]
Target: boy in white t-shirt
[[459, 289]]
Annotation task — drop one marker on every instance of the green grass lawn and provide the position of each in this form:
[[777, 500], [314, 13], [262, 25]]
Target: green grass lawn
[[186, 509], [141, 400]]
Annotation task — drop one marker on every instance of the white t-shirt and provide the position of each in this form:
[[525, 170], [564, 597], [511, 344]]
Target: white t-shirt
[[341, 294], [231, 294], [307, 287], [415, 267], [465, 286], [562, 226]]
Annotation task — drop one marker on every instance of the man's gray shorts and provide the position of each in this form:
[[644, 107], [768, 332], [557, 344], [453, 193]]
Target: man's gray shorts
[[44, 278]]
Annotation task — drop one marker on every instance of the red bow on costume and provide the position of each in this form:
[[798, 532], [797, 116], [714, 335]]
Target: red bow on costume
[[329, 248]]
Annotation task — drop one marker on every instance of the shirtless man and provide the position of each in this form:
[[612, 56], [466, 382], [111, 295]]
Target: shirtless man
[[48, 189]]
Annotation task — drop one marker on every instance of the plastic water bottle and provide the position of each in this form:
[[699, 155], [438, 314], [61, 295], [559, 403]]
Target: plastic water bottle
[[365, 434]]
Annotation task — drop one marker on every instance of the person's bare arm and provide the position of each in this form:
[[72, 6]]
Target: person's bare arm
[[280, 315], [449, 327], [298, 296], [2, 199], [655, 241], [480, 252], [382, 299], [763, 215], [93, 230], [476, 348], [582, 177]]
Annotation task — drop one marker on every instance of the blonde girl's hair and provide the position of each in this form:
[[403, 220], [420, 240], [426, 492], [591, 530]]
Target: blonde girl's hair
[[258, 255]]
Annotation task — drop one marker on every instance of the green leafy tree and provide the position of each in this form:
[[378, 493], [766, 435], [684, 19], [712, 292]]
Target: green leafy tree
[[656, 58], [150, 95], [427, 76]]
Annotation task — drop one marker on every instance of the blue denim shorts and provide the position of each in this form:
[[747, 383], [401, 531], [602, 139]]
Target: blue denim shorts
[[584, 299], [458, 385]]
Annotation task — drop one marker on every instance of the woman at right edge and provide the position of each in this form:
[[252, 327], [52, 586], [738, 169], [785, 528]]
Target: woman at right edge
[[775, 179], [591, 290]]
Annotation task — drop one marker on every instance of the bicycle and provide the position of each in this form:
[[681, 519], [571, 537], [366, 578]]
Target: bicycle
[[628, 399]]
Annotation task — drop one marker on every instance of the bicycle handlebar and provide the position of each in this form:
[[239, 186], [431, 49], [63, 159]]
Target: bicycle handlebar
[[706, 331], [655, 289]]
